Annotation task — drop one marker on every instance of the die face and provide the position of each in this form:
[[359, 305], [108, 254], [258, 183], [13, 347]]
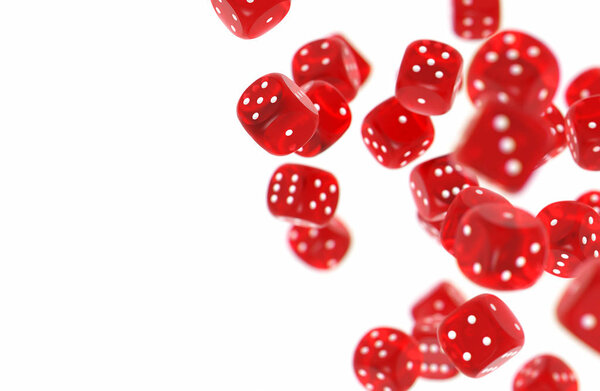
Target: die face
[[579, 307], [574, 232], [501, 247], [330, 60], [441, 300], [387, 359], [364, 68], [429, 77], [555, 122], [302, 194], [436, 365], [334, 117], [464, 201], [435, 183], [515, 67], [476, 19], [591, 198], [545, 373], [396, 136], [322, 248], [586, 84], [481, 335], [277, 114], [250, 19], [583, 132]]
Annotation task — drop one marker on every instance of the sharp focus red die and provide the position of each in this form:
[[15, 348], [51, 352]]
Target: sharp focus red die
[[305, 195], [463, 202], [396, 136], [545, 373], [591, 198], [364, 68], [583, 132], [517, 68], [586, 84], [387, 359], [481, 335], [579, 307], [321, 248], [501, 247], [277, 114], [249, 19], [476, 19], [330, 60], [429, 77], [441, 300], [556, 125], [574, 231], [435, 183], [436, 365]]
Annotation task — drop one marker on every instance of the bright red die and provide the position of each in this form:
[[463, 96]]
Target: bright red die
[[583, 132], [436, 365], [435, 183], [515, 67], [481, 335], [387, 359], [429, 77], [463, 202], [501, 247], [476, 19], [441, 300], [545, 373], [396, 136], [591, 198], [330, 60], [574, 230], [305, 195], [556, 125], [334, 117], [586, 84], [321, 248], [249, 19], [579, 307], [277, 114], [364, 68]]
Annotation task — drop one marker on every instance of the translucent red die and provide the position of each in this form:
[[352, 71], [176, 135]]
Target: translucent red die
[[476, 19], [441, 300], [364, 68], [545, 373], [250, 19], [436, 365], [591, 198], [586, 84], [583, 132]]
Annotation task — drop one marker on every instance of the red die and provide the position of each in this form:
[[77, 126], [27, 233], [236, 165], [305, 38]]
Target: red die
[[249, 19], [476, 19], [591, 198], [277, 114], [481, 335], [545, 373], [330, 60], [436, 365], [387, 359], [364, 69], [463, 202], [321, 248], [441, 300], [515, 67], [434, 185], [501, 247], [429, 77], [579, 308], [574, 230], [396, 136], [334, 117], [504, 144], [586, 84], [556, 125], [302, 194], [583, 132]]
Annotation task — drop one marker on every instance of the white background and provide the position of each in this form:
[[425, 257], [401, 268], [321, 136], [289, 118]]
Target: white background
[[136, 249]]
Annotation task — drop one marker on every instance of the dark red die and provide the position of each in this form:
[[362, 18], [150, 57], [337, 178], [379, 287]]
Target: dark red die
[[364, 68], [387, 359], [429, 77], [441, 300], [583, 132], [481, 335], [435, 183], [591, 198], [330, 60], [586, 84], [321, 248], [574, 231], [396, 136], [545, 373], [476, 19], [305, 195], [514, 67], [436, 365], [579, 307], [334, 117], [556, 125], [463, 202], [248, 18], [277, 114], [501, 247]]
